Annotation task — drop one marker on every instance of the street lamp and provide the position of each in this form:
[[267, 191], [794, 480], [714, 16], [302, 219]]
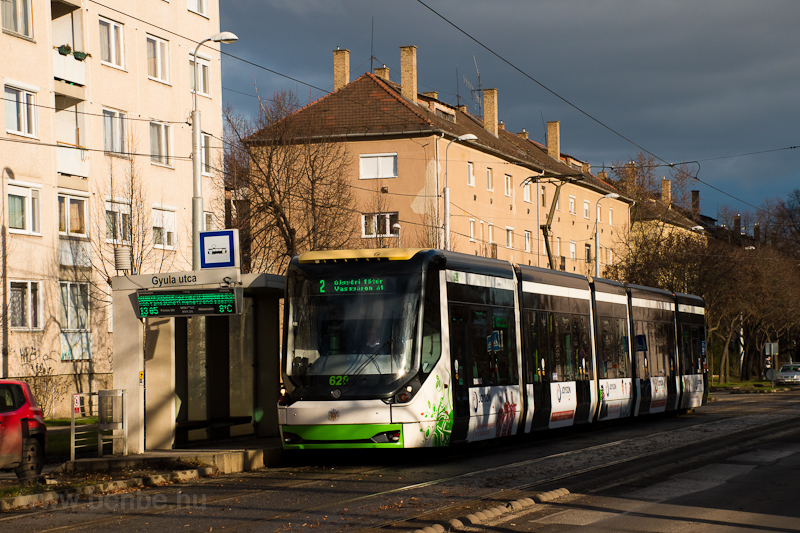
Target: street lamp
[[396, 226], [465, 137], [197, 175], [597, 234]]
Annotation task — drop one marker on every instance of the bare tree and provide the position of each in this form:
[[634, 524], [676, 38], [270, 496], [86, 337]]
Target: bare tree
[[296, 185]]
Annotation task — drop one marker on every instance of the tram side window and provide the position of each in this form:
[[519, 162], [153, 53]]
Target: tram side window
[[697, 351], [657, 349], [540, 358], [687, 365], [562, 346], [504, 353], [482, 361], [640, 347], [669, 334], [581, 351], [458, 344], [431, 347], [612, 359]]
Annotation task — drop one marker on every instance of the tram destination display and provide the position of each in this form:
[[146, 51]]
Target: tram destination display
[[354, 285], [198, 302]]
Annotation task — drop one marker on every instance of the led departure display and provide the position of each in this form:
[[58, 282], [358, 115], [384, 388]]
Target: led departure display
[[356, 285], [206, 302]]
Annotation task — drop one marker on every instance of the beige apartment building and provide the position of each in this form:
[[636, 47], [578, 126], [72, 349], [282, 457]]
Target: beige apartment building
[[96, 161], [406, 148]]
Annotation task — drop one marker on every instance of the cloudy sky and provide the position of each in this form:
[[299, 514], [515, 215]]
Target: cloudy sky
[[712, 81]]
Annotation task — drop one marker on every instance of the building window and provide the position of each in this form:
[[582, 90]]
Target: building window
[[24, 304], [544, 197], [160, 143], [20, 110], [526, 192], [610, 257], [202, 74], [71, 215], [572, 250], [527, 241], [588, 252], [112, 51], [114, 131], [164, 228], [571, 205], [490, 231], [610, 217], [158, 59], [470, 174], [586, 209], [558, 246], [118, 222], [374, 166], [74, 306], [23, 210], [509, 185], [17, 16], [205, 153], [198, 6], [489, 180], [379, 225], [472, 229], [509, 237], [208, 221]]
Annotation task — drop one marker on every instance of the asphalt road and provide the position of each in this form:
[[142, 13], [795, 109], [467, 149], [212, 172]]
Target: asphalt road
[[730, 465]]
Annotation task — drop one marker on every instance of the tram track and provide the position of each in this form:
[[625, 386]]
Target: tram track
[[559, 468]]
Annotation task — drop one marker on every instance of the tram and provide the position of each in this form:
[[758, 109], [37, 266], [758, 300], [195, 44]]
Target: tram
[[409, 348]]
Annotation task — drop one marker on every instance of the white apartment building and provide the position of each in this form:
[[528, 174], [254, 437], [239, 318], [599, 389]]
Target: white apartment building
[[95, 159]]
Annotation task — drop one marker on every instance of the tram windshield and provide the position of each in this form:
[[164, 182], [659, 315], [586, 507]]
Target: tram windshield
[[351, 326]]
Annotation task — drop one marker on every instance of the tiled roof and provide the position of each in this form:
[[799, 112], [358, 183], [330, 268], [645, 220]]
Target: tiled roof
[[371, 106]]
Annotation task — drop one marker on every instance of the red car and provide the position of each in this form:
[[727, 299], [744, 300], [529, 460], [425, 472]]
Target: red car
[[22, 431]]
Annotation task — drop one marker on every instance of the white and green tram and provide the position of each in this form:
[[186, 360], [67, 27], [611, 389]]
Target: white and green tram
[[407, 348]]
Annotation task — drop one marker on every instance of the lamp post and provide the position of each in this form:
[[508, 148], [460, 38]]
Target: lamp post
[[465, 137], [396, 226], [197, 173], [597, 234]]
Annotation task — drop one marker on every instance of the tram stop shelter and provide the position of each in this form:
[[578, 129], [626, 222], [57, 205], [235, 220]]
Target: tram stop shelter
[[193, 379]]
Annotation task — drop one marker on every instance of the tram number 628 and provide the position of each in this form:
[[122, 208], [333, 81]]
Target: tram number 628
[[338, 380]]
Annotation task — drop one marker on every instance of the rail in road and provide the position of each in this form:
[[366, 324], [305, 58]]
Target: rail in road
[[403, 492]]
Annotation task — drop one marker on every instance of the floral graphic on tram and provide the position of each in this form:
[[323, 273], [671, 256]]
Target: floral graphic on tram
[[442, 413]]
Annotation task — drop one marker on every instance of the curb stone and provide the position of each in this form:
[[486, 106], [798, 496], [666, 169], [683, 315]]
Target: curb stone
[[16, 502], [479, 517]]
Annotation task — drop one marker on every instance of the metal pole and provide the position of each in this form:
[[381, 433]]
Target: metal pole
[[197, 174]]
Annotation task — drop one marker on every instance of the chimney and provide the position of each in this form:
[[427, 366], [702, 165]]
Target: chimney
[[341, 68], [382, 73], [432, 94], [602, 175], [408, 72], [586, 168], [554, 139], [462, 108], [695, 203], [756, 232], [501, 125], [666, 191], [523, 134], [737, 225], [490, 111]]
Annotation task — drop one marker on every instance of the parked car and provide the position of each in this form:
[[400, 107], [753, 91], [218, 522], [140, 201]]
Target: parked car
[[23, 434], [789, 374]]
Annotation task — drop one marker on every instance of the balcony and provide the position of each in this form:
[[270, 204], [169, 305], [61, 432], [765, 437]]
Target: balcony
[[72, 160], [68, 69]]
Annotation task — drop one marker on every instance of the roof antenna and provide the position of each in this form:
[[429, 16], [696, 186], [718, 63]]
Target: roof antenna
[[478, 91], [372, 47]]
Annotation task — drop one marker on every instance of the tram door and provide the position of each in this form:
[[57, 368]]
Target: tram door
[[540, 366], [672, 367], [583, 367], [642, 373], [459, 346]]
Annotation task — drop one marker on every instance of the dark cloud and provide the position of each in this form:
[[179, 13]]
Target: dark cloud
[[685, 80]]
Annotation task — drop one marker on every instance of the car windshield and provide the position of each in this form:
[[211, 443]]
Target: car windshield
[[791, 368]]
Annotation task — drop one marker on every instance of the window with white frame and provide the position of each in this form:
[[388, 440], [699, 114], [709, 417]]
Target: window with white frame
[[572, 205], [490, 233], [586, 209], [472, 229], [489, 180], [572, 250], [558, 246], [205, 153], [527, 241], [599, 211], [112, 43], [17, 17], [72, 215], [198, 6], [157, 59], [587, 249], [23, 209], [74, 306], [24, 304], [164, 228], [379, 225], [375, 166], [610, 257], [526, 192], [610, 216], [204, 87], [20, 110], [509, 185], [509, 237], [118, 222], [114, 131], [208, 221], [160, 144], [470, 174]]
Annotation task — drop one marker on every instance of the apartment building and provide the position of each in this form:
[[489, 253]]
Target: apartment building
[[406, 148], [96, 169]]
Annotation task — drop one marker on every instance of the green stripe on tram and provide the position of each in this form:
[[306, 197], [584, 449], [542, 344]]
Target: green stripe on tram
[[342, 436]]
